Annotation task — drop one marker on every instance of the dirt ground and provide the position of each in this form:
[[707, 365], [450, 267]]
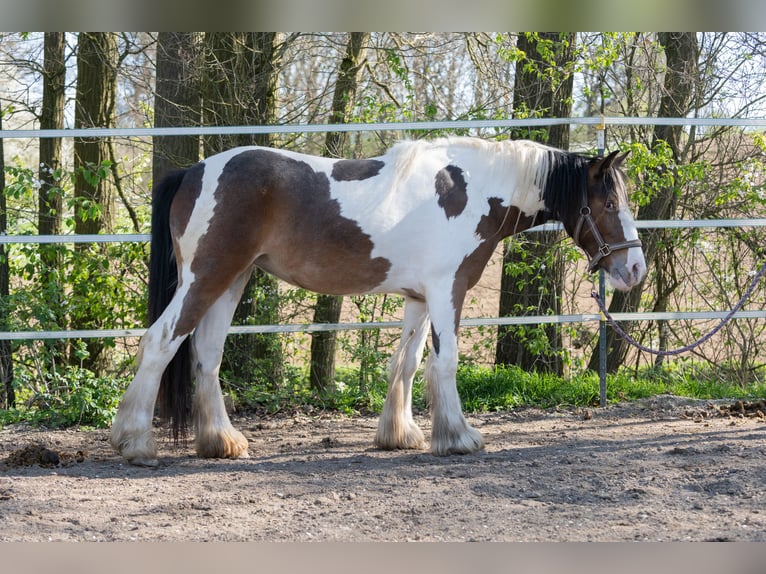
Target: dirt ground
[[661, 469]]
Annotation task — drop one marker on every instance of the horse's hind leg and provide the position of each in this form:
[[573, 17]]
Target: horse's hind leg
[[396, 427], [132, 427], [131, 434], [215, 436]]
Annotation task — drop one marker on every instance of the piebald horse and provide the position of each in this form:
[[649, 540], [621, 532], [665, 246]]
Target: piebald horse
[[421, 221]]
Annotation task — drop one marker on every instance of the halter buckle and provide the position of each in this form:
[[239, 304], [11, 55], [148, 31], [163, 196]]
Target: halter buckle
[[605, 250]]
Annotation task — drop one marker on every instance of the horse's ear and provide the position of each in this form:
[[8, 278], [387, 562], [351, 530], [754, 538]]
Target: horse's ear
[[601, 165], [608, 161], [620, 159]]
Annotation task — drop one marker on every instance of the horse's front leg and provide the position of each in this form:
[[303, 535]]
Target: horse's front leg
[[396, 427], [451, 433]]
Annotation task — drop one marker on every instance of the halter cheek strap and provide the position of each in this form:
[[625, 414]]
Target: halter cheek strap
[[604, 248]]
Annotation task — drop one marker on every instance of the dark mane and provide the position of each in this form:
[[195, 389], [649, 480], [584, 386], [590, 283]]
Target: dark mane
[[564, 186]]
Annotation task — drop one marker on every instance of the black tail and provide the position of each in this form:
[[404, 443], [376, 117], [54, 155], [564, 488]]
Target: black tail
[[175, 392]]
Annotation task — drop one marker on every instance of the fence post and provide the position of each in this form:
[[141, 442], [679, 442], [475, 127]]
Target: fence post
[[601, 137]]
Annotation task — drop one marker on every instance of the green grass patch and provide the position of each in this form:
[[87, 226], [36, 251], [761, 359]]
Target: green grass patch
[[500, 388], [77, 397]]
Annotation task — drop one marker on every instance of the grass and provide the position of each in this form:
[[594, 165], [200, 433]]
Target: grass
[[501, 388], [487, 389], [82, 399]]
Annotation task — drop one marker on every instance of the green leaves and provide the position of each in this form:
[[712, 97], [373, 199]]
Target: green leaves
[[56, 286], [71, 397], [94, 174]]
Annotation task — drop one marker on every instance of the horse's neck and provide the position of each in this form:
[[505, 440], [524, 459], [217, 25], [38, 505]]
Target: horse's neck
[[515, 221], [525, 164], [523, 168]]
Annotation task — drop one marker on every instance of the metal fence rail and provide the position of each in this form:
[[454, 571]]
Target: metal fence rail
[[598, 122], [314, 327], [595, 121]]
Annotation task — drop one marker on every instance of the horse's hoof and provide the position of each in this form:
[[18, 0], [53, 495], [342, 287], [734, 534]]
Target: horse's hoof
[[138, 451], [228, 443], [404, 436], [145, 462], [467, 441]]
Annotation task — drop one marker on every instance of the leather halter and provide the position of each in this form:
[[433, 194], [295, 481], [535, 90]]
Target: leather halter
[[604, 248]]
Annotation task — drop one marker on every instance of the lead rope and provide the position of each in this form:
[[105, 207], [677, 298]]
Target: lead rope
[[666, 353]]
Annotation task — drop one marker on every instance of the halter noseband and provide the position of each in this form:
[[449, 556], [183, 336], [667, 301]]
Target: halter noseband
[[604, 249]]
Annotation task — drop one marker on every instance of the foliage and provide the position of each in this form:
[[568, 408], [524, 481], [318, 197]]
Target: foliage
[[525, 266], [100, 282], [90, 400], [353, 393], [371, 348], [72, 396], [413, 77]]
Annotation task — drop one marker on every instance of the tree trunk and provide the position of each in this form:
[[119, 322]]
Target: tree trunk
[[7, 393], [177, 100], [328, 307], [681, 52], [259, 356], [241, 89], [543, 88], [50, 195], [94, 107], [51, 118]]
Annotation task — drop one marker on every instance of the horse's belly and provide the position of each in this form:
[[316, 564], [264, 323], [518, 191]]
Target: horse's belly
[[328, 275]]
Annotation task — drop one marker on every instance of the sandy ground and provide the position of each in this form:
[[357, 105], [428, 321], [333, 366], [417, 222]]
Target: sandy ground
[[662, 469]]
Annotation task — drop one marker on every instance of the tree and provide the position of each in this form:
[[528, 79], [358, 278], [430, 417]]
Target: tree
[[532, 275], [7, 393], [177, 100], [681, 53], [51, 118], [240, 88], [50, 194], [328, 307], [97, 61]]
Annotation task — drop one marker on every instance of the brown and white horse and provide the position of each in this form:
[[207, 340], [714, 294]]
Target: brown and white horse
[[421, 221]]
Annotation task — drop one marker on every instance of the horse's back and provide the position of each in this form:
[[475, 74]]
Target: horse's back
[[332, 225]]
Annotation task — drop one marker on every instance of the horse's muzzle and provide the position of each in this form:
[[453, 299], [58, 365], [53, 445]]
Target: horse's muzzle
[[624, 277]]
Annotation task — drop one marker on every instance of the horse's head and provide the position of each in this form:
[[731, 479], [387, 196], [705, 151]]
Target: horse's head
[[604, 227]]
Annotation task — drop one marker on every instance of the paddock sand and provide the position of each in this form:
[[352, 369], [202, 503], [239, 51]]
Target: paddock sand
[[661, 469]]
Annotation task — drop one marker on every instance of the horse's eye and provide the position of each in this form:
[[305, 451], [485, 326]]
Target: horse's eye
[[611, 205]]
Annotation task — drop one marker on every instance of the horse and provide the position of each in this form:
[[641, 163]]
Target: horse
[[421, 221]]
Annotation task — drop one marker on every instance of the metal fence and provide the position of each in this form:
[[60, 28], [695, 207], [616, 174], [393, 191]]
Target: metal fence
[[466, 322], [599, 123]]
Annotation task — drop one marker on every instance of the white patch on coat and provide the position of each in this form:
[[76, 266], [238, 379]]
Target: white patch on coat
[[405, 222], [202, 213]]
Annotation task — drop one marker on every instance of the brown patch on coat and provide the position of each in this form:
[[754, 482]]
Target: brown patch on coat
[[451, 189], [356, 169], [499, 222], [276, 212], [185, 198]]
